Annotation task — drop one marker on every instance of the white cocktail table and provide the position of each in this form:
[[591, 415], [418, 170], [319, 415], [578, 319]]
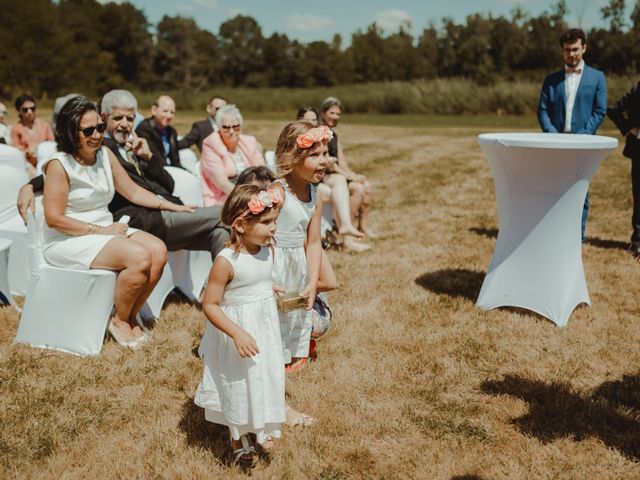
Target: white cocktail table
[[541, 180]]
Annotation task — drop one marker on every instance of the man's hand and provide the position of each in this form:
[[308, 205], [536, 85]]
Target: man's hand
[[139, 147], [26, 201]]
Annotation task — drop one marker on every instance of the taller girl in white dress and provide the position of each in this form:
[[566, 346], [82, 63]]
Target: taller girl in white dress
[[243, 381], [80, 181], [301, 155]]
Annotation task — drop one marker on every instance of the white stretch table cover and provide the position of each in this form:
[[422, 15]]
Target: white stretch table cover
[[541, 180]]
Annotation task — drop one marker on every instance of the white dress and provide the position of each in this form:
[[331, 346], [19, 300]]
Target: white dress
[[90, 192], [245, 394], [290, 270]]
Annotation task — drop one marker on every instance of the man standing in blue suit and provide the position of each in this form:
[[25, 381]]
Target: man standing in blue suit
[[573, 100]]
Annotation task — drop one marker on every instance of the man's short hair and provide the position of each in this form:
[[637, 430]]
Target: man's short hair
[[218, 97], [572, 36], [24, 98], [118, 99]]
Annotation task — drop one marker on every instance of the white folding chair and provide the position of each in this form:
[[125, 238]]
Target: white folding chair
[[5, 290], [270, 159], [44, 152], [188, 159], [65, 309], [190, 268], [13, 176]]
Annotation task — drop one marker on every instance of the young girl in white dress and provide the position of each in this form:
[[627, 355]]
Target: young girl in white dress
[[301, 156], [243, 380]]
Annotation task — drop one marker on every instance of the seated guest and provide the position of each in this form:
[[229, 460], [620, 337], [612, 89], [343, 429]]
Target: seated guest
[[5, 132], [202, 129], [359, 185], [198, 230], [225, 154], [80, 232], [335, 190], [157, 129], [30, 131]]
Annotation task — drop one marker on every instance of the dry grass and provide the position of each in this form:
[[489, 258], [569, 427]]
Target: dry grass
[[412, 381]]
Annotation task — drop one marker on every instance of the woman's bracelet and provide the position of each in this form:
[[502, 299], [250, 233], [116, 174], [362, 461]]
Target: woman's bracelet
[[93, 229], [161, 203]]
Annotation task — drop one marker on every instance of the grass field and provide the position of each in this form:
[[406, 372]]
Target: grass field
[[412, 380]]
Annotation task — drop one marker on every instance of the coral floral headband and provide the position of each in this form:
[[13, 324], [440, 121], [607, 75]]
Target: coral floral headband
[[260, 201], [317, 134]]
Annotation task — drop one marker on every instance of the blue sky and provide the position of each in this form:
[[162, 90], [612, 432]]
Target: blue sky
[[308, 21]]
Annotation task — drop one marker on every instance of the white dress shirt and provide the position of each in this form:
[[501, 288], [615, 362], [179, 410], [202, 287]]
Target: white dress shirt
[[571, 84]]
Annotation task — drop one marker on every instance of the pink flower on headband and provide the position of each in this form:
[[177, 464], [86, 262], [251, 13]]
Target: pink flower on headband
[[255, 205], [304, 141], [262, 200], [317, 134]]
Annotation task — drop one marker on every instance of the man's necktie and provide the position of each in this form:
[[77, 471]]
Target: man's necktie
[[132, 160]]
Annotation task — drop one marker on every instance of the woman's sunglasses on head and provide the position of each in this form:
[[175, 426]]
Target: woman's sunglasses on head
[[87, 132]]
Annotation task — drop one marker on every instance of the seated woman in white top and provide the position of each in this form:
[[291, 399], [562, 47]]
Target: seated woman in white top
[[80, 181]]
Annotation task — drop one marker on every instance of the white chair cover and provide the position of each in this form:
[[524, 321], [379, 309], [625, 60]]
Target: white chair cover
[[326, 223], [190, 268], [270, 159], [541, 180], [13, 176], [188, 159], [64, 309], [5, 290], [44, 152]]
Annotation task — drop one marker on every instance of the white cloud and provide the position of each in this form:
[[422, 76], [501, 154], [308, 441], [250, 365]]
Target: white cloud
[[185, 8], [306, 22], [210, 4], [391, 20]]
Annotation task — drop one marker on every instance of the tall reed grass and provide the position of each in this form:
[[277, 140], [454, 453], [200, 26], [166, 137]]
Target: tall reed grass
[[441, 97]]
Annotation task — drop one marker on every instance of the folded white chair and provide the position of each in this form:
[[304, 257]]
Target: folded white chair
[[65, 309], [13, 176], [190, 268], [44, 152], [5, 291], [188, 160]]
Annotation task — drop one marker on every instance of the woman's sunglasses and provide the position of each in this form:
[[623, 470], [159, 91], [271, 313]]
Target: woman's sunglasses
[[236, 127], [26, 109], [87, 132]]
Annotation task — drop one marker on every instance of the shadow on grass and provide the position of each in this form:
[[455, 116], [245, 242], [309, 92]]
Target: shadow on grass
[[608, 244], [203, 434], [485, 232], [557, 412], [458, 282]]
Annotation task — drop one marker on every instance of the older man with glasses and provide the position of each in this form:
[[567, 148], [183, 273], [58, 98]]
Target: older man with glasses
[[5, 132], [30, 131]]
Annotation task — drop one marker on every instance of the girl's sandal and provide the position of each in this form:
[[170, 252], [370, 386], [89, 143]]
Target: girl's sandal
[[297, 364], [246, 456], [293, 418]]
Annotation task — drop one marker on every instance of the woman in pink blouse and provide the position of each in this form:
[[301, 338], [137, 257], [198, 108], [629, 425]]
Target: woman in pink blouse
[[30, 131], [225, 154]]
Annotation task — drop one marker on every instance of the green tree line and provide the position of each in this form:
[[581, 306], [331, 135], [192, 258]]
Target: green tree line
[[49, 47]]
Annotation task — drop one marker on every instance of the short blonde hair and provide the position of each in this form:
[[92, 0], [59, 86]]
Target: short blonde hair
[[288, 154], [235, 206]]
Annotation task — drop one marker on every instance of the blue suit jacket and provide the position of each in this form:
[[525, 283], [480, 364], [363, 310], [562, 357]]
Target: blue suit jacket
[[589, 108]]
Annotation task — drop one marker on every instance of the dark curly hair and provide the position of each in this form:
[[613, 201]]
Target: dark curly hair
[[68, 123]]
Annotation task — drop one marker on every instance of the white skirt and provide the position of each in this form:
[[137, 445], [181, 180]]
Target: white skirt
[[290, 273], [245, 394]]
